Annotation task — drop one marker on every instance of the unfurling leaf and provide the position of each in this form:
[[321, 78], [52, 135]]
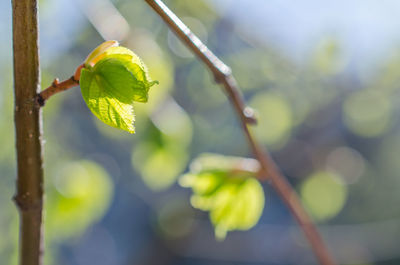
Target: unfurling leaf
[[233, 197], [112, 79]]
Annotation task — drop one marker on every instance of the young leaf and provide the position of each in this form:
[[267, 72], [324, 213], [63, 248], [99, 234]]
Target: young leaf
[[112, 79], [92, 57], [235, 200]]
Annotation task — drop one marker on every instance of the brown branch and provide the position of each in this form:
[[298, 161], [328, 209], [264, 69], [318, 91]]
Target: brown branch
[[29, 195], [57, 87], [222, 74]]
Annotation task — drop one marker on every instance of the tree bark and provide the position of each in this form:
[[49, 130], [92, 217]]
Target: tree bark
[[29, 195]]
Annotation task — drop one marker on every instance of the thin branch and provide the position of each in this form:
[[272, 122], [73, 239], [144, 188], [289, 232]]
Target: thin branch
[[223, 75], [29, 195], [57, 87]]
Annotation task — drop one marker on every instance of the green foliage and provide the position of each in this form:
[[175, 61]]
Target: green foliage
[[227, 188], [112, 79]]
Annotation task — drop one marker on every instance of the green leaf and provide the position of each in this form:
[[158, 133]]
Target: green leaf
[[130, 60], [99, 51], [113, 78], [108, 95], [234, 201]]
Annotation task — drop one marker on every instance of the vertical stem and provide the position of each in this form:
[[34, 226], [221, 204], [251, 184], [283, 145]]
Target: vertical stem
[[29, 196]]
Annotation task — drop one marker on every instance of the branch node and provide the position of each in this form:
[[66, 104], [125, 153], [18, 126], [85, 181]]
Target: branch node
[[25, 204], [55, 82], [221, 73], [73, 79], [250, 116], [39, 100]]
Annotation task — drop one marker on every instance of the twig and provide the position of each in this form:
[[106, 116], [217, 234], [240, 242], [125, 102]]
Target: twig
[[222, 74], [29, 195], [57, 87]]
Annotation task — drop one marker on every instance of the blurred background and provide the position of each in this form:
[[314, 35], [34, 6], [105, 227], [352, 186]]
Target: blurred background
[[324, 79]]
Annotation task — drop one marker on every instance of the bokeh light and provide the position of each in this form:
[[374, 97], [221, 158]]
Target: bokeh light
[[324, 195], [275, 119], [82, 193], [367, 113]]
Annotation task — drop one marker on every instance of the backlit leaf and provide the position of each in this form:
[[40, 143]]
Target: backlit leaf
[[112, 79], [235, 200]]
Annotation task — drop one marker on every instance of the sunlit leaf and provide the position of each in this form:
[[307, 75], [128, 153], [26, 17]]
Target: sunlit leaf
[[235, 200], [113, 78], [99, 51]]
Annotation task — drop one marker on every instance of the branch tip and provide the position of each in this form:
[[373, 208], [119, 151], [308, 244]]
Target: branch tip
[[55, 82]]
